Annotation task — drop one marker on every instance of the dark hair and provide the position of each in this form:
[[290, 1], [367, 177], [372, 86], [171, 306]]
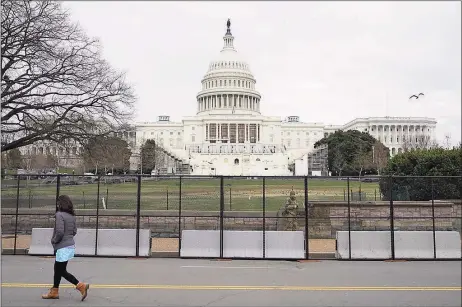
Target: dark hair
[[64, 204]]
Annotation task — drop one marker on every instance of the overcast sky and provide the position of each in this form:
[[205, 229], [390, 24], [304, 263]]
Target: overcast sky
[[326, 62]]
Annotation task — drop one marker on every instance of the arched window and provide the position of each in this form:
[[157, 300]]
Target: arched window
[[236, 161]]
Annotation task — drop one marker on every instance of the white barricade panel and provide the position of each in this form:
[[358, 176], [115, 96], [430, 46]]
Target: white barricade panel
[[364, 245], [419, 244], [122, 242], [242, 244], [448, 244], [40, 243], [85, 241], [200, 243], [285, 244], [413, 244]]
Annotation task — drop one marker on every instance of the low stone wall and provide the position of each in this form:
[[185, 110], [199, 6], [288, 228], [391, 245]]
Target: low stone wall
[[324, 218]]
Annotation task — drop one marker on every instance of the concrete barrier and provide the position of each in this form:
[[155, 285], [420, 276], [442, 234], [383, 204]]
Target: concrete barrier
[[122, 242], [111, 242], [364, 245], [200, 243], [243, 244], [40, 242], [419, 244], [285, 244], [408, 244]]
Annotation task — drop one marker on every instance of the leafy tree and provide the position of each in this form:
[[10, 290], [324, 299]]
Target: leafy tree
[[418, 163], [353, 152], [152, 156], [106, 152], [55, 85]]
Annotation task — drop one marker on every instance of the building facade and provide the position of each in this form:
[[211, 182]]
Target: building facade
[[228, 135]]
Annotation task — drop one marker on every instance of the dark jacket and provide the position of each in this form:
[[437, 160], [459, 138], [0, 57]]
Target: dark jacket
[[64, 231]]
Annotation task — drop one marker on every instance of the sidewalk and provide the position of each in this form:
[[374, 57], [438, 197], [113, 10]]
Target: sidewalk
[[178, 282]]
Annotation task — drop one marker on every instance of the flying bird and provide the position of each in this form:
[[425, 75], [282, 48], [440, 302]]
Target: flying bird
[[417, 96]]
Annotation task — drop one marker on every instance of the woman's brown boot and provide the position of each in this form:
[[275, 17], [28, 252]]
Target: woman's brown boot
[[52, 294], [83, 288]]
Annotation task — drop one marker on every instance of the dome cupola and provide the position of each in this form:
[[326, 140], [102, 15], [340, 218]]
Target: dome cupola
[[228, 87]]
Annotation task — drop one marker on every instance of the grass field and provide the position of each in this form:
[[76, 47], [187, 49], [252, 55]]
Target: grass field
[[197, 194]]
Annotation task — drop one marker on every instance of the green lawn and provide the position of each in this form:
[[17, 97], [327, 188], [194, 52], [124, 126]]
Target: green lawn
[[197, 194]]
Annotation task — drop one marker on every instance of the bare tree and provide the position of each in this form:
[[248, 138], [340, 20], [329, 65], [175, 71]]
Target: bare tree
[[55, 85], [361, 162], [338, 162], [419, 142], [447, 141], [380, 156], [12, 159], [106, 152]]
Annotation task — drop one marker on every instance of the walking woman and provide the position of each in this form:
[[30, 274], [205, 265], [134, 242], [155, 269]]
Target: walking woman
[[64, 246]]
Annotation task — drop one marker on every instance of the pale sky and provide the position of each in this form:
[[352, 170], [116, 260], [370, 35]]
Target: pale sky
[[327, 62]]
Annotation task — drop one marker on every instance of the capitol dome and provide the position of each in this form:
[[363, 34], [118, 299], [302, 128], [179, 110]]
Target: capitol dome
[[229, 85]]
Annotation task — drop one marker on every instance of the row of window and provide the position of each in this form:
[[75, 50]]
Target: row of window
[[227, 83], [162, 132], [398, 129], [54, 151], [403, 139], [298, 133], [229, 64]]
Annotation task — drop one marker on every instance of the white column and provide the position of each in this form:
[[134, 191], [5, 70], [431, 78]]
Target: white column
[[237, 133]]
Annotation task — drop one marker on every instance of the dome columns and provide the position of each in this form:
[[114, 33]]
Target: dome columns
[[228, 101]]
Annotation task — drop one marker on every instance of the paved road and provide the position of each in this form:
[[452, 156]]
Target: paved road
[[177, 282]]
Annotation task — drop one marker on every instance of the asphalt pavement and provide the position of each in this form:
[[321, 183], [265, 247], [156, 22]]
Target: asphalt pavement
[[181, 282]]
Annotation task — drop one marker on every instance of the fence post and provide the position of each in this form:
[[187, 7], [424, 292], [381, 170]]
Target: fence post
[[264, 216], [349, 219], [97, 216], [107, 198], [58, 186], [17, 214], [392, 219], [138, 213], [307, 238], [179, 217], [433, 219], [167, 199], [222, 207]]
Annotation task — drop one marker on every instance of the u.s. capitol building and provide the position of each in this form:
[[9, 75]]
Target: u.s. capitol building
[[229, 135]]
